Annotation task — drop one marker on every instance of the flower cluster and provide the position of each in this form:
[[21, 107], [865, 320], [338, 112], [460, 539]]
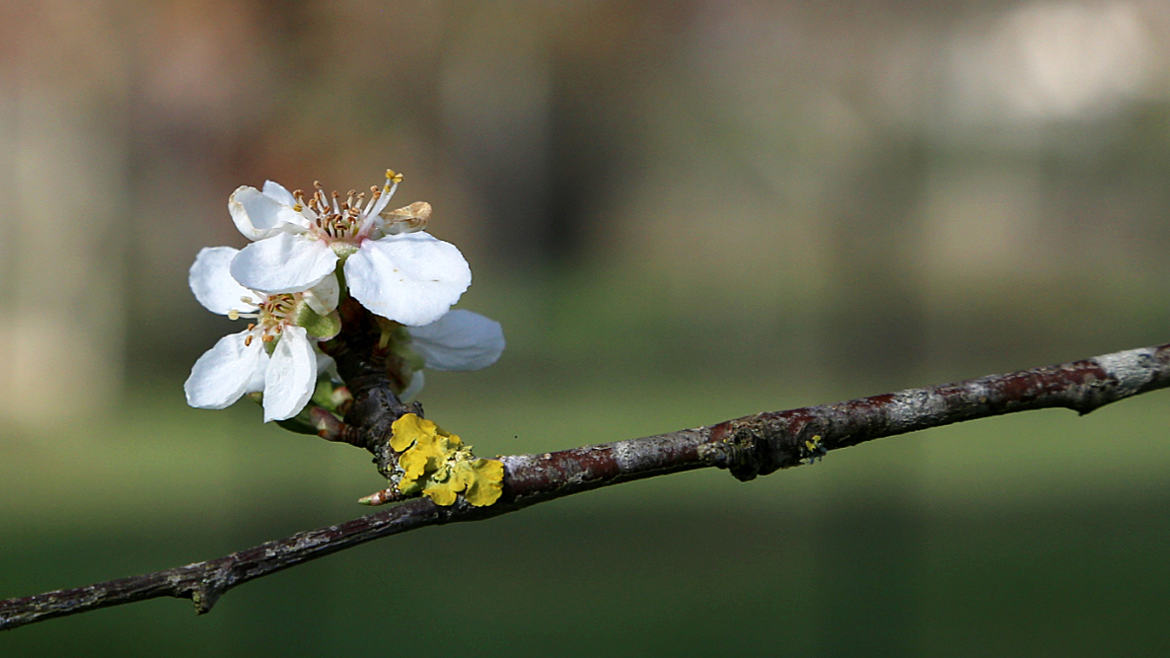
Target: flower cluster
[[307, 253]]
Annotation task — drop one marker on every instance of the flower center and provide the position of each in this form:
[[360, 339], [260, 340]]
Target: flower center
[[348, 219], [274, 312]]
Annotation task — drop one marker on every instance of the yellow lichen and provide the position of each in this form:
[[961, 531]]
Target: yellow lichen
[[487, 485], [813, 450], [410, 428], [437, 464]]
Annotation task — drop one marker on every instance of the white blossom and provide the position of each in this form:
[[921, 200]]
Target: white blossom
[[460, 340], [275, 354], [391, 266]]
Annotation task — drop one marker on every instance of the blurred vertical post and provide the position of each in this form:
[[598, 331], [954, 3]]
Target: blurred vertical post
[[62, 262]]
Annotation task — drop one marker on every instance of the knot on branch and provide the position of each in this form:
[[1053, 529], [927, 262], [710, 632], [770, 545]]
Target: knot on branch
[[206, 593], [753, 446]]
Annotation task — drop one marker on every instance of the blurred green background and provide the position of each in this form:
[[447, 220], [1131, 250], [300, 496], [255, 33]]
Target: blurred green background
[[681, 212]]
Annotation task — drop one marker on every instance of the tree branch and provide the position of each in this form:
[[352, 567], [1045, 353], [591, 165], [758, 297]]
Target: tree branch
[[749, 446]]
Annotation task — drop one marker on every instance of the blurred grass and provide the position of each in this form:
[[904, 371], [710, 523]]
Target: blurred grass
[[1041, 533]]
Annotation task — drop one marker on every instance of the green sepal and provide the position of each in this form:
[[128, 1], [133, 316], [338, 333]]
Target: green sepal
[[316, 325], [397, 339], [330, 396]]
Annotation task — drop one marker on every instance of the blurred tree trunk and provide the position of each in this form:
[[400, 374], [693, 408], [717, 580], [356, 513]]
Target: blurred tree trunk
[[62, 257]]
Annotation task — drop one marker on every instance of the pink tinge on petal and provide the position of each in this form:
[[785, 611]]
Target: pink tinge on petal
[[283, 263], [410, 278]]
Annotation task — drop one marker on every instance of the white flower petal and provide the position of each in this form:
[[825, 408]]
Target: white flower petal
[[224, 372], [411, 278], [276, 191], [283, 263], [291, 375], [259, 216], [460, 340], [256, 384], [211, 281], [323, 297]]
